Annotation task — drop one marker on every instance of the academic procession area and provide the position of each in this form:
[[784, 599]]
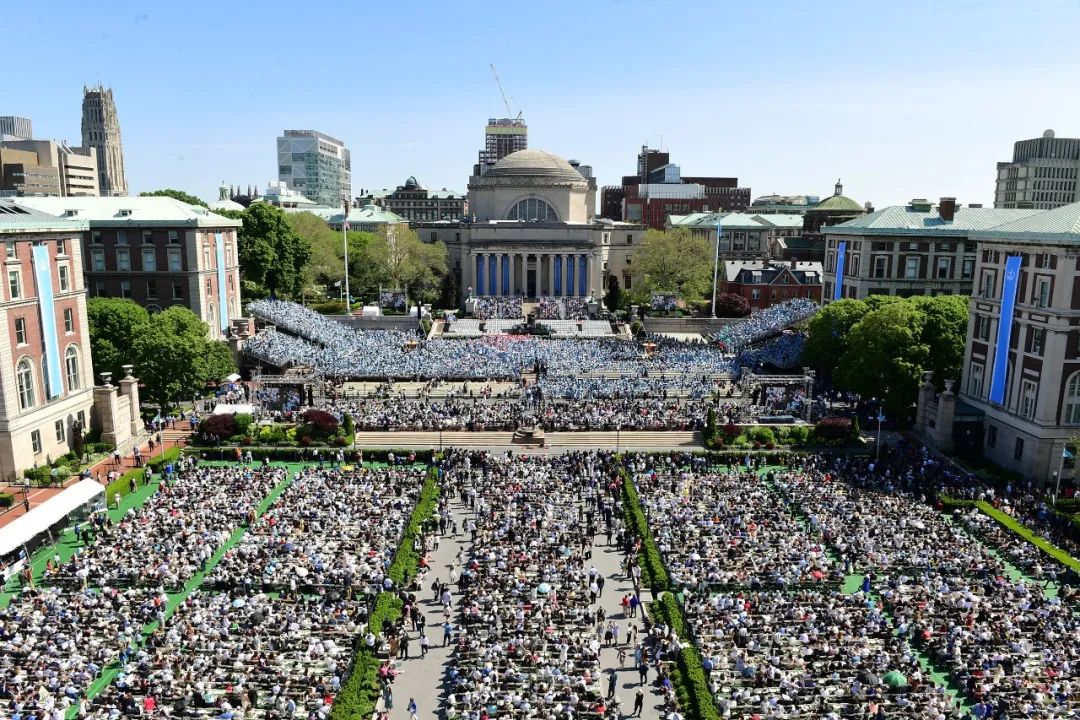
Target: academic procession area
[[531, 505]]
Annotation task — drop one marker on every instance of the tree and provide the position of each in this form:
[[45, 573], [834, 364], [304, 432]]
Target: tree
[[732, 305], [271, 253], [114, 325], [397, 258], [828, 334], [885, 356], [613, 298], [175, 194], [944, 333], [327, 262], [675, 261], [176, 359]]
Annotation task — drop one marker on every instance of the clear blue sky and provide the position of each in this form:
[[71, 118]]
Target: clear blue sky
[[901, 100]]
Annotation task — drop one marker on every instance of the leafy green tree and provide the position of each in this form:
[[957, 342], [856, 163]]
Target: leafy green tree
[[614, 296], [675, 261], [114, 324], [885, 356], [176, 359], [175, 194], [271, 253], [944, 333], [828, 334], [397, 258], [327, 261]]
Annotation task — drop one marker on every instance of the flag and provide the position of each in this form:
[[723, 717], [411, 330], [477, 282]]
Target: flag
[[345, 224], [1065, 452]]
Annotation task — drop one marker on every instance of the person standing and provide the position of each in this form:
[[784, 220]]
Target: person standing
[[639, 703]]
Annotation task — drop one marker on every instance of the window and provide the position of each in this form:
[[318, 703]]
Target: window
[[14, 284], [177, 291], [967, 270], [174, 237], [61, 247], [10, 245], [209, 286], [174, 260], [991, 436], [65, 277], [532, 209], [210, 314], [69, 320], [71, 366], [986, 288], [20, 331], [944, 268], [95, 236], [1072, 401], [755, 294], [1042, 293], [123, 260], [1044, 261], [121, 237], [1018, 448], [911, 268], [629, 239], [82, 419], [149, 260], [24, 382], [1038, 340], [97, 260], [59, 425], [879, 265], [147, 237], [99, 288], [975, 380], [125, 288], [1027, 399], [35, 441], [151, 288]]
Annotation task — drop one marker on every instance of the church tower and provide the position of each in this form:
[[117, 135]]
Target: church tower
[[101, 131]]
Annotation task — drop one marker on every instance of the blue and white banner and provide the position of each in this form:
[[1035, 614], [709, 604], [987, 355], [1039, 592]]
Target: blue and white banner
[[841, 254], [583, 278], [1009, 285], [492, 270], [479, 274], [223, 296], [505, 274], [558, 275], [47, 310], [570, 276]]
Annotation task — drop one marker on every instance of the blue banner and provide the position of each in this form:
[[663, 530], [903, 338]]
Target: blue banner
[[570, 275], [506, 275], [479, 274], [491, 274], [583, 276], [841, 253], [47, 310], [558, 275], [1009, 285], [223, 296]]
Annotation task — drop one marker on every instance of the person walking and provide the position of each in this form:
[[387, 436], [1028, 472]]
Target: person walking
[[643, 672], [611, 683], [639, 703], [412, 709]]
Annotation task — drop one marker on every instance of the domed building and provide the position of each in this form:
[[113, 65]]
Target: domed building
[[533, 232], [831, 211]]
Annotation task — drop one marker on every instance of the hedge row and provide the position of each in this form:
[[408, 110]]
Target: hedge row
[[360, 692], [6, 499], [1026, 533], [652, 564], [122, 484], [688, 678], [298, 454]]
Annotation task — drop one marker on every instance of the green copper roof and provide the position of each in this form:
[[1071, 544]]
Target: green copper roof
[[15, 217], [837, 203]]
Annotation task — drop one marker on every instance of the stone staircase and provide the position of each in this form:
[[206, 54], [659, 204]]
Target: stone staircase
[[629, 440]]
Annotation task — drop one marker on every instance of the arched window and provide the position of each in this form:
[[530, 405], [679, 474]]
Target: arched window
[[153, 309], [533, 209], [71, 365], [1072, 401], [24, 380]]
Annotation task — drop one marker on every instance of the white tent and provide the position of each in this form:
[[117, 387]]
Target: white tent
[[227, 409], [26, 527]]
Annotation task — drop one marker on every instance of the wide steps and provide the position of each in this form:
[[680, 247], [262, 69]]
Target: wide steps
[[630, 439]]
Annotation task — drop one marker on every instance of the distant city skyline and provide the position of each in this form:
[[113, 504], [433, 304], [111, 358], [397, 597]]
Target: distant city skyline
[[919, 100]]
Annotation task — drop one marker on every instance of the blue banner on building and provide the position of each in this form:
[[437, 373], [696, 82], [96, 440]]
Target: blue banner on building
[[479, 274], [492, 274], [558, 275], [223, 295], [841, 254], [570, 275], [1009, 285], [47, 310], [583, 278], [506, 274]]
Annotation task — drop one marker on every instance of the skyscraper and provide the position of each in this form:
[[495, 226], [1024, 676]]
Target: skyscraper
[[315, 165], [101, 131], [1042, 174], [501, 137]]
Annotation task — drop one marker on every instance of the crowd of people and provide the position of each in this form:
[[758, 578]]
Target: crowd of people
[[491, 307], [782, 352], [765, 323]]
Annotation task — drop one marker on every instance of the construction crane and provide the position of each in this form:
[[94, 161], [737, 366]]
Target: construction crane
[[506, 100]]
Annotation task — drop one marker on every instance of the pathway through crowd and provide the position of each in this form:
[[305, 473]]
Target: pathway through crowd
[[422, 677]]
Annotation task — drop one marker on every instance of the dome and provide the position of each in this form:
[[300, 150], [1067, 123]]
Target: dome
[[411, 183], [534, 164], [837, 203]]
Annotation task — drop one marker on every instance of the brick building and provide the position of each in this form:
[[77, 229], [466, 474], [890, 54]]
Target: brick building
[[159, 252], [46, 375], [765, 283]]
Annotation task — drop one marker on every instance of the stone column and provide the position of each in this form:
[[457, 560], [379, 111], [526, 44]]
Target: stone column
[[946, 412], [129, 388], [105, 412]]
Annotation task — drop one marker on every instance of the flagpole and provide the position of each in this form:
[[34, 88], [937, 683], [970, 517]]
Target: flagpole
[[345, 230], [716, 266]]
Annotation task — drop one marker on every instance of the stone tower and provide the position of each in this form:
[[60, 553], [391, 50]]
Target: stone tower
[[101, 130]]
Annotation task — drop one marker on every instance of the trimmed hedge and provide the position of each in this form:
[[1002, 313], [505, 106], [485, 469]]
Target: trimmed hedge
[[652, 564], [297, 454], [688, 678], [1026, 533], [122, 484], [359, 693], [6, 499]]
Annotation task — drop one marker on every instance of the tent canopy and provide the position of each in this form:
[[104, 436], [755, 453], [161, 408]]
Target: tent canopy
[[25, 527], [228, 409]]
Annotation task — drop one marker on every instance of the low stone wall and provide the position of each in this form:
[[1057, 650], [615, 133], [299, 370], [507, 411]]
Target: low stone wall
[[686, 324], [381, 322]]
